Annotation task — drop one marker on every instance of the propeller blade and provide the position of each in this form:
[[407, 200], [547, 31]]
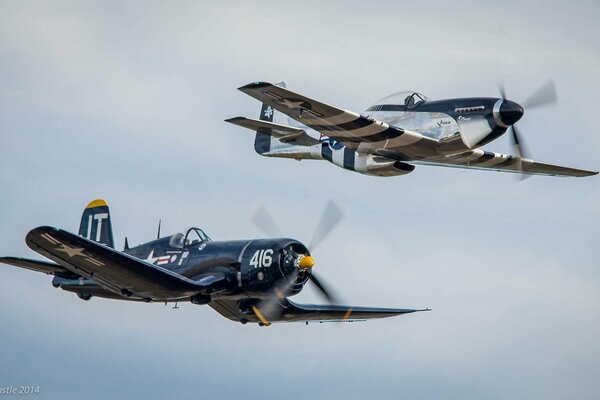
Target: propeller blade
[[543, 96], [270, 309], [501, 90], [327, 293], [519, 150], [517, 142], [331, 217], [263, 220]]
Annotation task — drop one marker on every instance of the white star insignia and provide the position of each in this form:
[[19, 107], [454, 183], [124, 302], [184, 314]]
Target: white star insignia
[[71, 251], [151, 259], [268, 112]]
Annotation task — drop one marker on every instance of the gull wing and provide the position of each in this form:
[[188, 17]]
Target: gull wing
[[491, 161], [311, 312], [118, 272], [241, 310]]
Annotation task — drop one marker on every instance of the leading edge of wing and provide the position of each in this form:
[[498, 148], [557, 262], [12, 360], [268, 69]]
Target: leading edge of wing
[[308, 111], [114, 270]]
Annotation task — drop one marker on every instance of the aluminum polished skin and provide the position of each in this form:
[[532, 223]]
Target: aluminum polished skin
[[397, 133]]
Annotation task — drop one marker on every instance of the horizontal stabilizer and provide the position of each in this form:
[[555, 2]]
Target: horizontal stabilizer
[[285, 133]]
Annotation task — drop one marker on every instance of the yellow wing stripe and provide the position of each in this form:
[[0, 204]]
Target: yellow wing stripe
[[347, 315]]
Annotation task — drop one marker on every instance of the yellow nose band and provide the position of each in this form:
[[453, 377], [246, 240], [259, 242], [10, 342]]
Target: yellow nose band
[[306, 262]]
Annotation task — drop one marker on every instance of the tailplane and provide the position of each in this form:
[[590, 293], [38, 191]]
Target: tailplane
[[95, 223], [277, 135]]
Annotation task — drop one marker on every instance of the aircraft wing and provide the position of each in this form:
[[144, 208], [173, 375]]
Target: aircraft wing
[[311, 312], [486, 160], [241, 310], [113, 270], [342, 125], [37, 265]]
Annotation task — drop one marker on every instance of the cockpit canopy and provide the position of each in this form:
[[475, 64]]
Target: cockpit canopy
[[400, 101], [192, 236]]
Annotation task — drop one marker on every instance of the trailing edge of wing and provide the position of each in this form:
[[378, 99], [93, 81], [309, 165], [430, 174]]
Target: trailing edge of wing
[[113, 270], [491, 161]]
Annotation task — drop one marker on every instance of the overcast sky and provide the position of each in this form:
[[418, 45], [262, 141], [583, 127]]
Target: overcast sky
[[126, 101]]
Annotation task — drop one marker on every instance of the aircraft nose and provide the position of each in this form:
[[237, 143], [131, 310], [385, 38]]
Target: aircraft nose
[[306, 262], [510, 112]]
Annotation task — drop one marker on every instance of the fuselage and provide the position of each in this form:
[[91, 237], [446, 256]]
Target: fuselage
[[477, 120], [251, 267], [452, 126]]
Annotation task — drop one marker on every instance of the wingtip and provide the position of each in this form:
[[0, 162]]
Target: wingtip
[[235, 119], [32, 235], [254, 85], [585, 173]]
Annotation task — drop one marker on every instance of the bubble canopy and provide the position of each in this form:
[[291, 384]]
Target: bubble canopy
[[408, 99], [190, 237]]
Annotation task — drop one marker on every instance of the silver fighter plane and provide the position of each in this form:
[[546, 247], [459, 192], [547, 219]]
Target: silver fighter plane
[[397, 132]]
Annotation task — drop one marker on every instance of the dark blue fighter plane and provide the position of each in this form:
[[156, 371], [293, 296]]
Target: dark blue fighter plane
[[243, 280]]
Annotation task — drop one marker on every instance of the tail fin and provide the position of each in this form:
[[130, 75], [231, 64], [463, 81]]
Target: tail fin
[[95, 223], [262, 142]]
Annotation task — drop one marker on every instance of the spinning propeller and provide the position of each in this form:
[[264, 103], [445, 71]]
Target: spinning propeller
[[330, 218], [511, 112]]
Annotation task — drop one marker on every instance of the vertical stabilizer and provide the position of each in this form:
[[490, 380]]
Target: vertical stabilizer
[[262, 142], [95, 223]]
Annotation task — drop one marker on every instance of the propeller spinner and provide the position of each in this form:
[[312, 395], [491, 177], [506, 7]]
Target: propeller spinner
[[511, 112]]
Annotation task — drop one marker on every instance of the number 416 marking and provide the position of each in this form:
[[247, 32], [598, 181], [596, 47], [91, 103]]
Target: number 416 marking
[[262, 258]]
